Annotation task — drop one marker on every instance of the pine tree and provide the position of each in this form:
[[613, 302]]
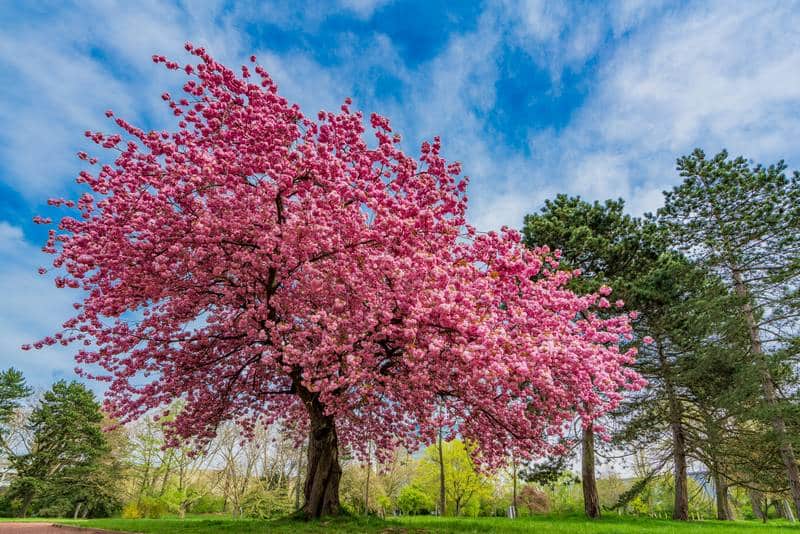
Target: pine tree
[[743, 221]]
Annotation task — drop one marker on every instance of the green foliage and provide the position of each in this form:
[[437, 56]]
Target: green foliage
[[208, 504], [414, 501], [147, 507], [68, 466], [464, 486], [601, 240], [267, 504], [12, 390]]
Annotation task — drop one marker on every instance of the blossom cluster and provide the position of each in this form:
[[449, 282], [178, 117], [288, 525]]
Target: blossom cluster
[[253, 254]]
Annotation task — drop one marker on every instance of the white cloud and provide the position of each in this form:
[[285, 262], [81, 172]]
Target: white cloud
[[32, 308], [664, 79]]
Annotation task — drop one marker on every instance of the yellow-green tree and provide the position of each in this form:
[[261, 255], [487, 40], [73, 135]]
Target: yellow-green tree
[[464, 486]]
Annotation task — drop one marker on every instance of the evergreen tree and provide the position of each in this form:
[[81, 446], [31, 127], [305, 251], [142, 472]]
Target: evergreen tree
[[12, 390], [68, 466], [743, 221]]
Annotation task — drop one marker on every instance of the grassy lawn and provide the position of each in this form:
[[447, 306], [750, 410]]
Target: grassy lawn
[[422, 524]]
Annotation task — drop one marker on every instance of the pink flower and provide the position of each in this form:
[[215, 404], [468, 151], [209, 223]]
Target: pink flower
[[253, 254]]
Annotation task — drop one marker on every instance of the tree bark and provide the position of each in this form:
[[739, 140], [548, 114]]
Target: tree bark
[[366, 489], [787, 511], [768, 385], [721, 494], [298, 482], [591, 501], [442, 496], [681, 506], [514, 475], [756, 501], [321, 490]]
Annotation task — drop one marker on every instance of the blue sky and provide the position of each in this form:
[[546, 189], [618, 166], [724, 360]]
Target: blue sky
[[534, 98]]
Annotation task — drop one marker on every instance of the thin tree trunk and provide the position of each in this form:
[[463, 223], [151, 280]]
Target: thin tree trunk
[[721, 496], [77, 510], [26, 503], [442, 498], [323, 473], [787, 511], [514, 476], [681, 506], [366, 489], [298, 484], [756, 501], [770, 396], [591, 501]]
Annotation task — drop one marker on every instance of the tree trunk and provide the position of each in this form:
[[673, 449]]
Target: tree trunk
[[26, 503], [681, 507], [768, 385], [442, 497], [323, 473], [591, 501], [787, 511], [298, 483], [721, 494], [756, 501], [366, 489], [514, 475], [77, 510]]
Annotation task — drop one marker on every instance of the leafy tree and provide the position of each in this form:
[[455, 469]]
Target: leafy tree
[[743, 221], [534, 499], [609, 247], [68, 467], [12, 390], [413, 501], [280, 268], [688, 313], [464, 485]]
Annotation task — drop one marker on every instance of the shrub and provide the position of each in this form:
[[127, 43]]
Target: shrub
[[266, 504], [146, 507], [208, 504], [413, 500]]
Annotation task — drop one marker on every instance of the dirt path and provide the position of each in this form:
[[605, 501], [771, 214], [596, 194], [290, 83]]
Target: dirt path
[[45, 528]]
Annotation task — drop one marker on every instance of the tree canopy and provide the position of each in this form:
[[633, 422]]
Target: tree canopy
[[263, 266]]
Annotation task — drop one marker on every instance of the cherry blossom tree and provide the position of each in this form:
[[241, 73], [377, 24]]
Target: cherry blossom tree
[[264, 267]]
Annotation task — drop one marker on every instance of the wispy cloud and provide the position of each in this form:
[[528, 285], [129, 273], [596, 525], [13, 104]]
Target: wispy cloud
[[655, 79]]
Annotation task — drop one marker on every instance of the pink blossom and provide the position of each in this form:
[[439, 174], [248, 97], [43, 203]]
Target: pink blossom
[[241, 244]]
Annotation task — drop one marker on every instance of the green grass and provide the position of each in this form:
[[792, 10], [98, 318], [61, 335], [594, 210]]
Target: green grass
[[423, 524]]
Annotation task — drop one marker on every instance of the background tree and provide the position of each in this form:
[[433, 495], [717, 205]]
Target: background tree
[[12, 390], [742, 220], [609, 247], [464, 485], [67, 467], [280, 268]]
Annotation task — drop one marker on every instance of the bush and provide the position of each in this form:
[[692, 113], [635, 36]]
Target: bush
[[131, 511], [208, 504], [413, 500], [56, 508], [146, 507], [267, 504]]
